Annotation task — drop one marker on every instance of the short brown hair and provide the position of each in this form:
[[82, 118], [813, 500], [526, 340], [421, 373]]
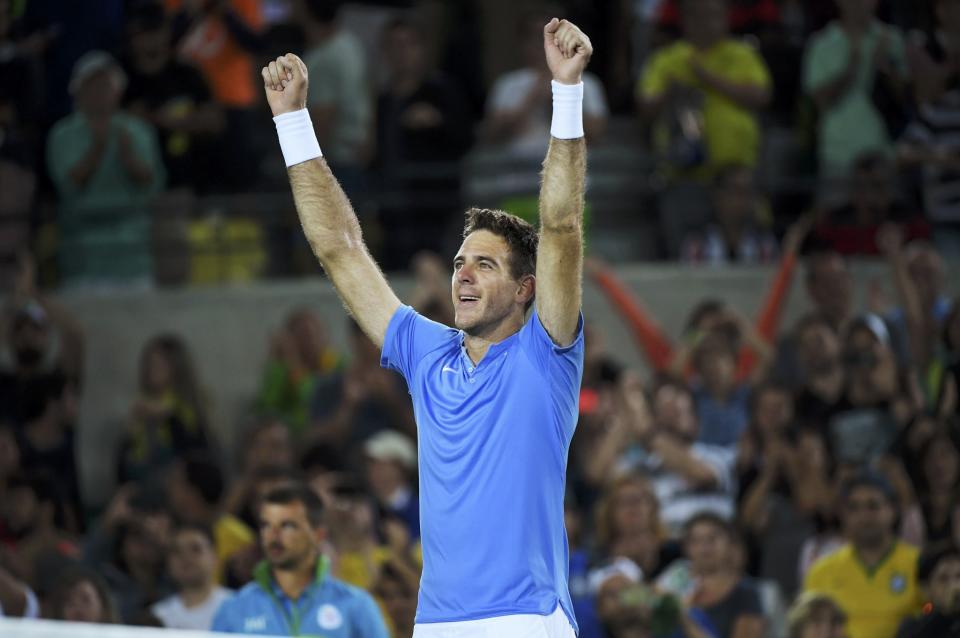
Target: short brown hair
[[520, 236]]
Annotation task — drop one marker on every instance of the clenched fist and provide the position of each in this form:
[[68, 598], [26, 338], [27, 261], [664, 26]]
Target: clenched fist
[[568, 50], [285, 81]]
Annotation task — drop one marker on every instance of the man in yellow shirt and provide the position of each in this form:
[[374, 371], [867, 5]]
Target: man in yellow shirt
[[711, 87], [874, 576]]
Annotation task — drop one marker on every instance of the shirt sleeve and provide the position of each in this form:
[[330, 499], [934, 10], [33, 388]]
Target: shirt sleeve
[[653, 80], [368, 621], [562, 364], [750, 68], [821, 63], [410, 336]]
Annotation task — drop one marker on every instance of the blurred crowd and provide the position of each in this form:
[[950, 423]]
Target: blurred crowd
[[130, 130], [763, 479]]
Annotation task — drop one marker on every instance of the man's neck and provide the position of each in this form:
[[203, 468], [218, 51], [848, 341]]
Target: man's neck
[[293, 582], [196, 596], [871, 556], [478, 344]]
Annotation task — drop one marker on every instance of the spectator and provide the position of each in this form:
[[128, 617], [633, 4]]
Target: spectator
[[820, 370], [266, 447], [816, 616], [300, 356], [196, 491], [847, 66], [82, 596], [135, 573], [396, 591], [939, 488], [341, 104], [873, 576], [296, 574], [853, 228], [192, 564], [431, 296], [938, 573], [363, 399], [105, 164], [736, 235], [716, 586], [709, 87], [628, 609], [174, 98], [423, 128], [45, 343], [391, 469], [782, 490], [220, 38], [519, 105], [687, 476], [930, 140], [722, 403], [33, 517], [169, 418]]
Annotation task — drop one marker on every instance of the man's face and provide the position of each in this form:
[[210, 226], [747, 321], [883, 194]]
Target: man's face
[[831, 287], [99, 96], [192, 560], [944, 586], [404, 51], [384, 476], [819, 348], [708, 548], [859, 11], [868, 517], [705, 21], [673, 410], [774, 411], [634, 508], [484, 290], [150, 49], [286, 536]]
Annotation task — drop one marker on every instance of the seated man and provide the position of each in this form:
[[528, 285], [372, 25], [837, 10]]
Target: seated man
[[874, 576]]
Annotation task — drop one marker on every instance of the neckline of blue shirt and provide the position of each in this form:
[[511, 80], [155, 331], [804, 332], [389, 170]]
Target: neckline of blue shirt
[[495, 350]]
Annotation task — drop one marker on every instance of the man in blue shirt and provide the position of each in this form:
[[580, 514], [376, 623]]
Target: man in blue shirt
[[496, 398], [292, 593]]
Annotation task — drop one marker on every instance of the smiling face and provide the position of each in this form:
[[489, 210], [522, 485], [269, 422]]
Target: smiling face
[[485, 292]]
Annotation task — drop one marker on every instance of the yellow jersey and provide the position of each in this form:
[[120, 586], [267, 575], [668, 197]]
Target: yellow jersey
[[876, 601]]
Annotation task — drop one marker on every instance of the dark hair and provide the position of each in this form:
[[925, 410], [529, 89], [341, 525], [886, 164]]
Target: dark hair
[[323, 456], [819, 257], [810, 320], [662, 381], [520, 236], [930, 559], [762, 388], [204, 530], [297, 493], [73, 577], [204, 475], [45, 489], [872, 480], [323, 11], [701, 310], [710, 518], [174, 349]]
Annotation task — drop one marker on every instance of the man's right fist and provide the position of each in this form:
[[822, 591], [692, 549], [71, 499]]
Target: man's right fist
[[285, 82]]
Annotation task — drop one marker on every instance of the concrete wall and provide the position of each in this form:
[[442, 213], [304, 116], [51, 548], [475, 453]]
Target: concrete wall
[[229, 330]]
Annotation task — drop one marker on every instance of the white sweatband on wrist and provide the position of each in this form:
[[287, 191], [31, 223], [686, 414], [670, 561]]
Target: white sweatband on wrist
[[298, 140], [567, 121]]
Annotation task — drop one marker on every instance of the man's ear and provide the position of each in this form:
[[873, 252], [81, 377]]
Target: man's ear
[[527, 289]]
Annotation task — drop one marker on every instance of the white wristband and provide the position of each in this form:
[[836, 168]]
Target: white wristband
[[567, 121], [298, 141]]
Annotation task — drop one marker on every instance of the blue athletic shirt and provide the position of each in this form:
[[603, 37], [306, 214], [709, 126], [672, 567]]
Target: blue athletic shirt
[[492, 442]]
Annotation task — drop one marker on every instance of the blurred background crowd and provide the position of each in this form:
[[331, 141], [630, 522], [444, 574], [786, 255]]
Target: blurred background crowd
[[752, 477]]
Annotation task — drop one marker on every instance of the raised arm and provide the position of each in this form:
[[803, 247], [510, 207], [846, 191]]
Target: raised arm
[[328, 220], [560, 254]]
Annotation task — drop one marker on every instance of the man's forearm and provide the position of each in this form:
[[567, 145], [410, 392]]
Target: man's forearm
[[326, 215], [562, 191]]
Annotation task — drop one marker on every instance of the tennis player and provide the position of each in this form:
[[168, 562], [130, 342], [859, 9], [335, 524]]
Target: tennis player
[[495, 398]]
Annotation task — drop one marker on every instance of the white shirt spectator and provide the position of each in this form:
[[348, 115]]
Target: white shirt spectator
[[511, 89], [679, 500], [175, 615]]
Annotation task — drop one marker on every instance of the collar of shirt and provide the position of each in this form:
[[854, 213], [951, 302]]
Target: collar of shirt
[[493, 352]]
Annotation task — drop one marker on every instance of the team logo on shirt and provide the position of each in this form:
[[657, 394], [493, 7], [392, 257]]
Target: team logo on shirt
[[257, 623], [898, 583], [329, 617]]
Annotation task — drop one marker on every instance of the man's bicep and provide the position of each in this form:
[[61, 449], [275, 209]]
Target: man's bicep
[[365, 291], [559, 283]]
